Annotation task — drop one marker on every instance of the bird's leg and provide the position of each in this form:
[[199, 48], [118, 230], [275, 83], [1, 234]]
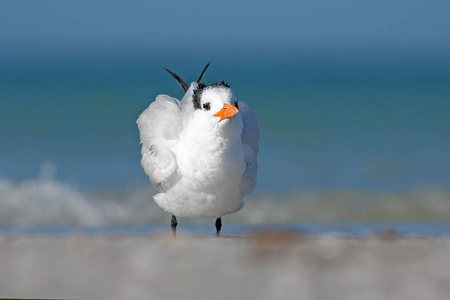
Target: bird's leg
[[173, 224], [218, 226]]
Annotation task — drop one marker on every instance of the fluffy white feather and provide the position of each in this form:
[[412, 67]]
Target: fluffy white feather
[[201, 166]]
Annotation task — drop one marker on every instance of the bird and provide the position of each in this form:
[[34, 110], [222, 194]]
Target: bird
[[200, 152]]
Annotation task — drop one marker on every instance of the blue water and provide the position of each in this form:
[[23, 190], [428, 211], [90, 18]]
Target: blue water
[[332, 124], [376, 127]]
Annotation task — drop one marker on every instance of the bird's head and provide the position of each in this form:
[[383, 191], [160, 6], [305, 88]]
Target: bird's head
[[216, 100]]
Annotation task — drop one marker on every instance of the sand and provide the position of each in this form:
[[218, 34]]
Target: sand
[[269, 265]]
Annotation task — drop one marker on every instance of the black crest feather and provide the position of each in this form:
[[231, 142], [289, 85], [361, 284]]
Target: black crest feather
[[183, 84], [203, 73], [180, 81], [199, 90]]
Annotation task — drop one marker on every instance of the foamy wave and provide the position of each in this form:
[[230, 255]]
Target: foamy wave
[[48, 203], [426, 204]]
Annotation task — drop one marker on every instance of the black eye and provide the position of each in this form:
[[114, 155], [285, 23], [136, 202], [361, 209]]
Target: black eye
[[236, 104], [206, 106]]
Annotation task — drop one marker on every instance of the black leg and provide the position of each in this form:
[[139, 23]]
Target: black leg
[[218, 225], [173, 224]]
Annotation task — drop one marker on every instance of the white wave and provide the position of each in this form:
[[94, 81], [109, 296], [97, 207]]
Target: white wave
[[45, 202], [421, 204], [48, 203]]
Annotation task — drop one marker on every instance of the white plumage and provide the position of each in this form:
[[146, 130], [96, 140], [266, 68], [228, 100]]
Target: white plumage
[[201, 160]]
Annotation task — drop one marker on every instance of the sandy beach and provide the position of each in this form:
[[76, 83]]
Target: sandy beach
[[265, 265]]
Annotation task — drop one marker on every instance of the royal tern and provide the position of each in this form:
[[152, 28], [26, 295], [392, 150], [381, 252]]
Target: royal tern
[[200, 153]]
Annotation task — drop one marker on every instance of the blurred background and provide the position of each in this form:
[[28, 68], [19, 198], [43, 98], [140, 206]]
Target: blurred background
[[353, 100]]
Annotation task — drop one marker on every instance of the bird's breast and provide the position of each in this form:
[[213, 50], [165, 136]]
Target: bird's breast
[[211, 162]]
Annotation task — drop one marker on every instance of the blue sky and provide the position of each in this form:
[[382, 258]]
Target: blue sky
[[227, 23]]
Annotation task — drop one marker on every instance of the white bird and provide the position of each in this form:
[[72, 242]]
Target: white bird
[[201, 152]]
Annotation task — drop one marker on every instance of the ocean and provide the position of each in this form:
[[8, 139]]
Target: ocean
[[343, 139]]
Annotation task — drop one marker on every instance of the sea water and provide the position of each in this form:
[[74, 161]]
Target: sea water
[[341, 139]]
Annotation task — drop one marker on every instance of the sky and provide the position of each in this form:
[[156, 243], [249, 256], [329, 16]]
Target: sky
[[226, 24]]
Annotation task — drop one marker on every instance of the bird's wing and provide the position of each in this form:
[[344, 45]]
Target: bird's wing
[[250, 140], [158, 128]]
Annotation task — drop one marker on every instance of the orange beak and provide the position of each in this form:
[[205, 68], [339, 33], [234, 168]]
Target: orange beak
[[227, 112]]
